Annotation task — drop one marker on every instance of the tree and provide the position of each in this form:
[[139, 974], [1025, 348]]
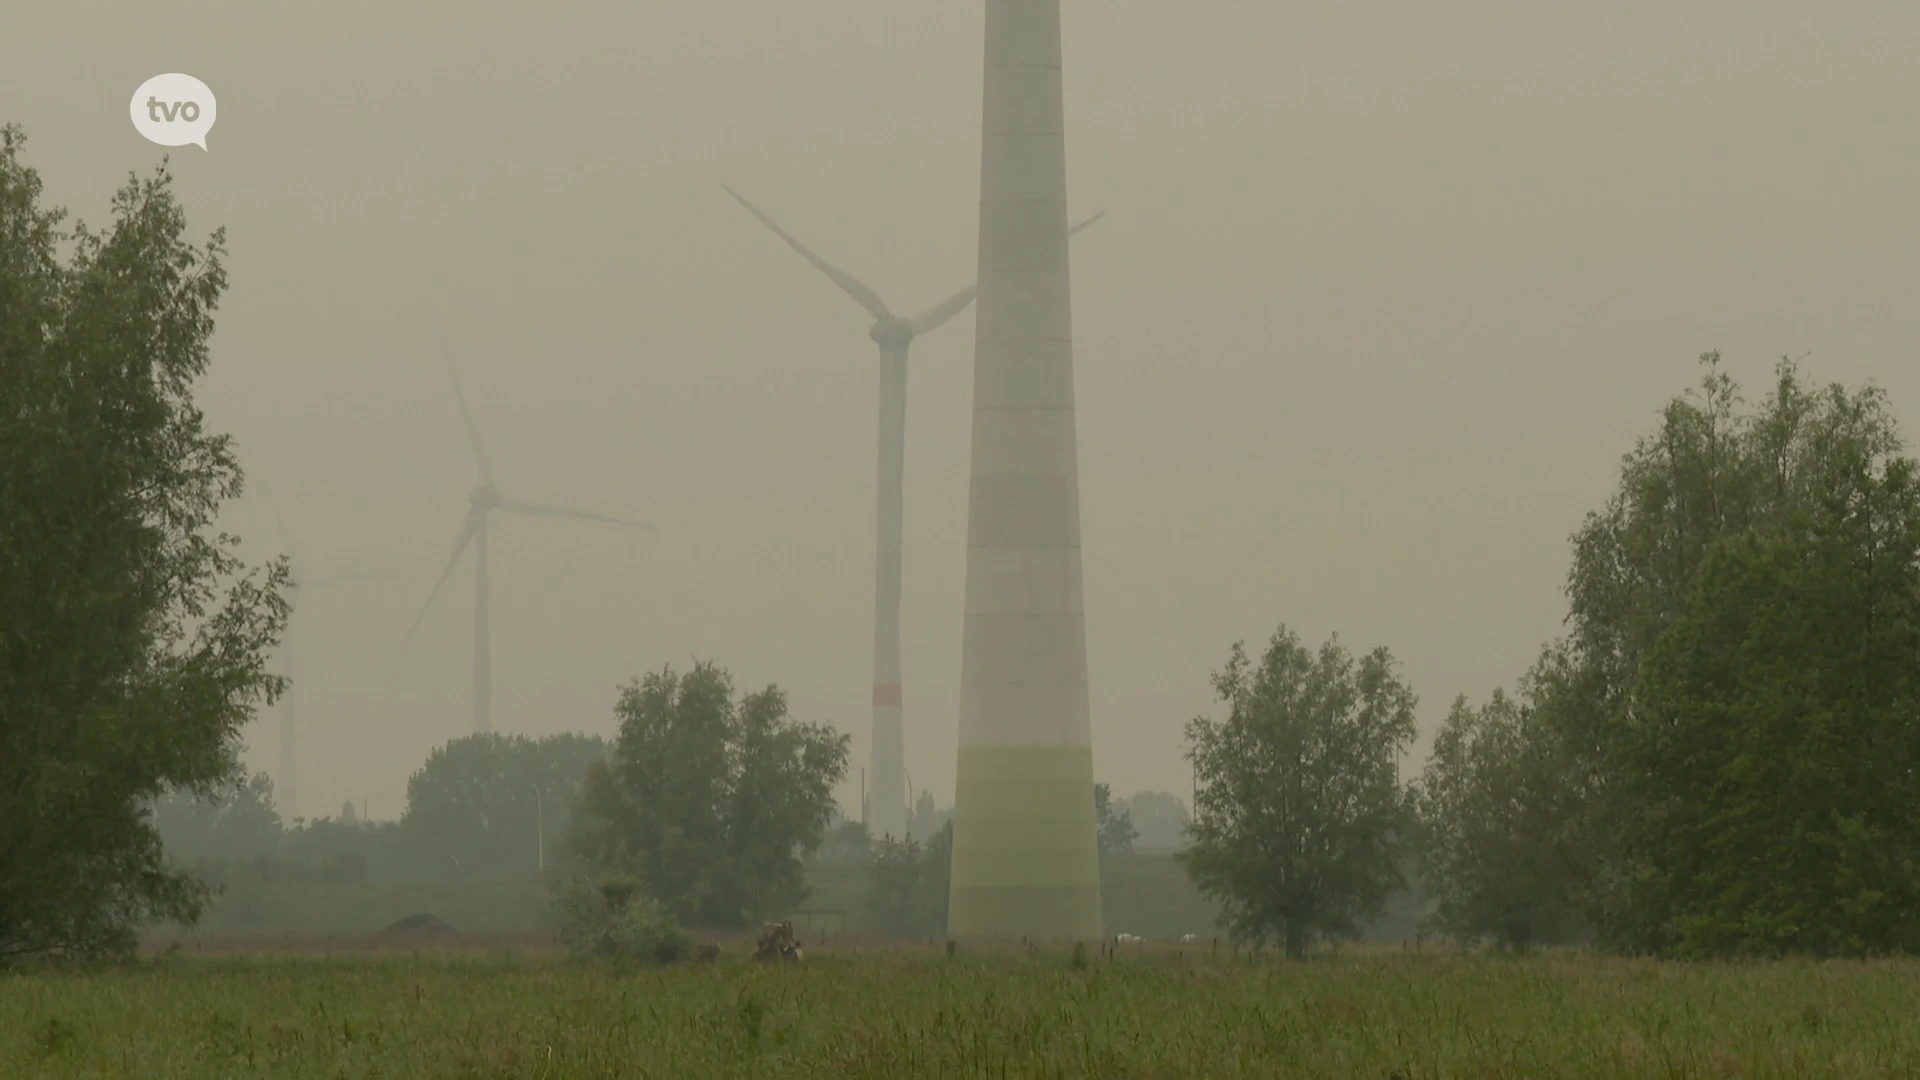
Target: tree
[[892, 890], [935, 886], [1160, 817], [1779, 750], [133, 642], [236, 822], [714, 801], [1115, 826], [1749, 585], [927, 817], [908, 892], [1299, 812], [326, 850], [609, 917], [844, 844], [1489, 852], [478, 804]]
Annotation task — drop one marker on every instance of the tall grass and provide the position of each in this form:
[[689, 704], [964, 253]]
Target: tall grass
[[915, 1014]]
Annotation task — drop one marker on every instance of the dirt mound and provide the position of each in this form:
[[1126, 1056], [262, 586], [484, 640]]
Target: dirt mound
[[421, 927]]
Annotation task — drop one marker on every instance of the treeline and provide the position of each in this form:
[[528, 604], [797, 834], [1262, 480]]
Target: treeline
[[1718, 759], [482, 807], [491, 807]]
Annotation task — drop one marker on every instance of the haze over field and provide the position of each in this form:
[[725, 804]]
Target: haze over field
[[1380, 301]]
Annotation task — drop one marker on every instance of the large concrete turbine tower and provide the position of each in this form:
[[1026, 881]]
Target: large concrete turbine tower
[[1025, 861], [887, 810]]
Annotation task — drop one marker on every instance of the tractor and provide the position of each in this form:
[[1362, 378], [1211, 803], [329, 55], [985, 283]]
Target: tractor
[[777, 943]]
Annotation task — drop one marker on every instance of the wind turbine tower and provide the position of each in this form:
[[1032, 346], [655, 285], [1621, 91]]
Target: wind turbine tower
[[888, 813], [481, 503], [286, 787], [1025, 860]]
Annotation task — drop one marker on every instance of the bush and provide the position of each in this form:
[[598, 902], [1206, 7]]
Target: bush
[[896, 877], [602, 917]]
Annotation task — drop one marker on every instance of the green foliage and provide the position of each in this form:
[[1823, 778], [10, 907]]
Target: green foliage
[[935, 887], [56, 1038], [1150, 895], [1160, 817], [928, 819], [1116, 833], [1734, 707], [473, 814], [717, 801], [1489, 849], [476, 807], [332, 851], [237, 821], [1779, 773], [910, 885], [895, 878], [1299, 808], [133, 642], [845, 844], [608, 916], [304, 909]]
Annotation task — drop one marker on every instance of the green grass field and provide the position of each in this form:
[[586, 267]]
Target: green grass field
[[918, 1014]]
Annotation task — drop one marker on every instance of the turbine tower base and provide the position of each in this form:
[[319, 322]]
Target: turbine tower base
[[1022, 862]]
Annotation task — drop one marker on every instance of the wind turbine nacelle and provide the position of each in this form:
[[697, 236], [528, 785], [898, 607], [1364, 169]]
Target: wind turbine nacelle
[[485, 497], [892, 333]]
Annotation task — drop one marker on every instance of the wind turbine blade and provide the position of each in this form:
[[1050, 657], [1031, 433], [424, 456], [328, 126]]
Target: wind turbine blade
[[536, 510], [459, 546], [344, 579], [935, 317], [1087, 222], [466, 414], [867, 297]]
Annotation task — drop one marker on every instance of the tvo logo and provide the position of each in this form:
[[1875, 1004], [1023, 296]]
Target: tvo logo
[[173, 110]]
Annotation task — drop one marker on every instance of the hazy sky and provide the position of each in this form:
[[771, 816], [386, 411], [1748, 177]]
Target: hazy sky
[[1384, 293]]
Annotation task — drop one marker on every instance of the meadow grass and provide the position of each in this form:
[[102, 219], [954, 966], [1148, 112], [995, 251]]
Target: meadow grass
[[919, 1014]]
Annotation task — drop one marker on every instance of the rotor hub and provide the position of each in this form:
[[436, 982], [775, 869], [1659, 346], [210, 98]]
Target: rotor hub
[[892, 333]]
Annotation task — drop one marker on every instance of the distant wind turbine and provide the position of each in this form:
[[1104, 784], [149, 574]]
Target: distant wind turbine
[[481, 503], [286, 791], [887, 807]]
